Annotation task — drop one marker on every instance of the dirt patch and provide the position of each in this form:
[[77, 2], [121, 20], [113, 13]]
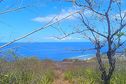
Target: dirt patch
[[59, 76]]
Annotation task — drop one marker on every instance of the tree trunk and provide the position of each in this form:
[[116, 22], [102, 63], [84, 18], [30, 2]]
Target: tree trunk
[[105, 78], [106, 81]]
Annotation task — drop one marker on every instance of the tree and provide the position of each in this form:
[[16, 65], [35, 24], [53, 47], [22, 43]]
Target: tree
[[104, 25]]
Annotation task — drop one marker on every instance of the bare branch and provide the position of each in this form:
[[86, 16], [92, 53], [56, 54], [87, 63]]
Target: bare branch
[[91, 29], [108, 9], [91, 8], [118, 30], [47, 25], [11, 10], [72, 33]]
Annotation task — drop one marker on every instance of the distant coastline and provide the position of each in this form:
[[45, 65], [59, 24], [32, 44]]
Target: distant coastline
[[56, 51]]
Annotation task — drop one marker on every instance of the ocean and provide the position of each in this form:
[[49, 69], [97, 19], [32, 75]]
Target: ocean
[[56, 51]]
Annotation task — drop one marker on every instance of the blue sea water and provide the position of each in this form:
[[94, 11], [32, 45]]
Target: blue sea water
[[56, 51]]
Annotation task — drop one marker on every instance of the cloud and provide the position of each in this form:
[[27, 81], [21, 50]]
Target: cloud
[[48, 18], [63, 14], [64, 39], [50, 38]]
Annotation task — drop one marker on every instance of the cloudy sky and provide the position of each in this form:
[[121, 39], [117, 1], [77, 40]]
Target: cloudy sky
[[40, 12]]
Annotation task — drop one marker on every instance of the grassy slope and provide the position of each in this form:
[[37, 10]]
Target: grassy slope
[[33, 71]]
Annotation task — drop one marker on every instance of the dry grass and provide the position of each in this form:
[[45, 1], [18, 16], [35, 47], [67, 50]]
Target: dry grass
[[34, 71]]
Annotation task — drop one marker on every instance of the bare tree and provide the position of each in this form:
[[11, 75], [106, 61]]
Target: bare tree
[[104, 25]]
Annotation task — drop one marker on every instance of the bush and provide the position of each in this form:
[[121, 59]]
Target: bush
[[25, 71]]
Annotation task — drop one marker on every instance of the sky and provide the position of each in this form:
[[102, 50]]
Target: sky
[[16, 24], [40, 12]]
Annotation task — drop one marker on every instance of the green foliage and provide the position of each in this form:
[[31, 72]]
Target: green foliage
[[25, 71], [83, 76], [47, 78], [26, 78], [92, 76], [6, 78], [119, 76], [120, 34]]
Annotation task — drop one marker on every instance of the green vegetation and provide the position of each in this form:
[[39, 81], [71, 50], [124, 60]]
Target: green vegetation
[[83, 76], [34, 71], [91, 75], [26, 71]]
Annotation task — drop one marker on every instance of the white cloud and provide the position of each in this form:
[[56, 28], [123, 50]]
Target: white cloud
[[67, 38], [63, 14], [44, 19], [48, 18], [64, 39], [50, 38]]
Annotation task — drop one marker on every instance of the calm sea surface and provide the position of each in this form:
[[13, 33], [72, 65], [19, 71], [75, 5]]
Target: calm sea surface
[[52, 50]]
